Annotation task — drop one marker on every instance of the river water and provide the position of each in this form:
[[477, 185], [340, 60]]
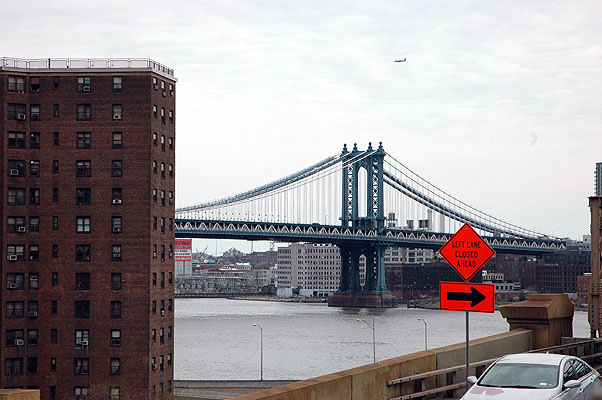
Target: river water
[[216, 339]]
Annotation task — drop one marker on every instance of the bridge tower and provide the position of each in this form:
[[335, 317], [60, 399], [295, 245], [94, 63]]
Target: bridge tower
[[374, 291]]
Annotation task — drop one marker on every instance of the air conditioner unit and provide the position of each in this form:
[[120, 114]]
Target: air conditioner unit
[[11, 286], [19, 342], [116, 201], [116, 229], [116, 117], [21, 116], [86, 88], [11, 258], [21, 229], [84, 343], [115, 342], [13, 172], [32, 314]]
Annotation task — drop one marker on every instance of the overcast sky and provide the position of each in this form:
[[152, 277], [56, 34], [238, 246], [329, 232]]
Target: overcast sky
[[499, 103]]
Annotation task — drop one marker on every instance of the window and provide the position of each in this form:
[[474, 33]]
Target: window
[[55, 138], [16, 167], [115, 393], [154, 251], [117, 140], [55, 223], [34, 84], [117, 84], [52, 365], [154, 111], [17, 112], [82, 252], [81, 366], [154, 279], [32, 365], [116, 222], [163, 85], [169, 304], [84, 168], [34, 140], [16, 196], [34, 280], [55, 110], [115, 309], [16, 83], [162, 287], [154, 195], [15, 281], [155, 138], [15, 309], [163, 170], [115, 338], [84, 140], [117, 112], [84, 112], [116, 252], [16, 140], [82, 309], [155, 166], [55, 278], [171, 89], [155, 83], [161, 367], [14, 337], [34, 224], [53, 336], [117, 168], [32, 337], [171, 224], [32, 309], [34, 252], [155, 223], [170, 116], [154, 338], [34, 196], [170, 279], [116, 195], [162, 142], [162, 252], [83, 84], [15, 252], [115, 369], [161, 337], [154, 308], [55, 166], [54, 307], [171, 170], [82, 281], [13, 366], [34, 112], [55, 195], [163, 115], [116, 281], [163, 198], [82, 336], [170, 196], [55, 82], [34, 168], [83, 196], [80, 392], [170, 141], [83, 224], [162, 224], [55, 251]]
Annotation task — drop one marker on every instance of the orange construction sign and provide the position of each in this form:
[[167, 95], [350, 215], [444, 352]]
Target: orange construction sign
[[472, 297]]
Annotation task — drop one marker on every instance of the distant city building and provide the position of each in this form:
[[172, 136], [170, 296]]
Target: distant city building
[[598, 179], [88, 159]]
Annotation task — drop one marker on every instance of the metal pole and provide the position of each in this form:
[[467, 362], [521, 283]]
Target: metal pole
[[261, 349], [467, 353], [373, 340], [425, 333]]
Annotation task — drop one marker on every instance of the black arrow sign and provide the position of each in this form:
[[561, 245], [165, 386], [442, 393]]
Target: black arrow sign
[[475, 297]]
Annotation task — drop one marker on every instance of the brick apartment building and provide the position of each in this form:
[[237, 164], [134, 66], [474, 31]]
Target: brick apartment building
[[87, 184]]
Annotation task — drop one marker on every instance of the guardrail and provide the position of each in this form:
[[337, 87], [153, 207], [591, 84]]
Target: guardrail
[[84, 63], [589, 350]]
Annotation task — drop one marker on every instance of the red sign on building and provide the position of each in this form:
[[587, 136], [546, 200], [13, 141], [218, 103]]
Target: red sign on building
[[466, 252], [183, 250], [474, 297]]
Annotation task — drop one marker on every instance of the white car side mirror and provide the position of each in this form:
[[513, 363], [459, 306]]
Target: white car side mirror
[[472, 379], [572, 384]]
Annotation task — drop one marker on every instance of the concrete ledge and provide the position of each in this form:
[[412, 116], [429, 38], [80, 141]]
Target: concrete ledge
[[19, 394]]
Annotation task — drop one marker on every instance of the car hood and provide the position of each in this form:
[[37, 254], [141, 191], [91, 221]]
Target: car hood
[[493, 393]]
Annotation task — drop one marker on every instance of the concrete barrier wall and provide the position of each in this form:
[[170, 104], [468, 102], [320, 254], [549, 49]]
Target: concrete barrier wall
[[370, 381], [19, 394]]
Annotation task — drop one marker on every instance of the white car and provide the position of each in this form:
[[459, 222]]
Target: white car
[[536, 376]]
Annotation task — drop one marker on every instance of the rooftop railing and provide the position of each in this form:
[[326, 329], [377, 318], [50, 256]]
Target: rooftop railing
[[84, 63]]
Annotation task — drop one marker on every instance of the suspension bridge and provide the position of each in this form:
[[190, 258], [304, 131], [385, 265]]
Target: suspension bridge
[[363, 201]]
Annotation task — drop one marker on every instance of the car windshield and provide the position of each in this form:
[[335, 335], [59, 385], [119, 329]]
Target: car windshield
[[515, 375]]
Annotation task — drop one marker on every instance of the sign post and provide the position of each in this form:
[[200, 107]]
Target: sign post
[[467, 253]]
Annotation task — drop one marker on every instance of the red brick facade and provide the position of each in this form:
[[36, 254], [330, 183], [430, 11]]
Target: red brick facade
[[119, 295]]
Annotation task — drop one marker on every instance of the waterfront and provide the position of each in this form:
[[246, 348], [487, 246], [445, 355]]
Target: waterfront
[[216, 339]]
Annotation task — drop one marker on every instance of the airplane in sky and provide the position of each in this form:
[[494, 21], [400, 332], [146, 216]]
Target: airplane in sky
[[401, 60]]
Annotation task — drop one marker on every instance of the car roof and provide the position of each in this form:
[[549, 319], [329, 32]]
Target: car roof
[[534, 358]]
